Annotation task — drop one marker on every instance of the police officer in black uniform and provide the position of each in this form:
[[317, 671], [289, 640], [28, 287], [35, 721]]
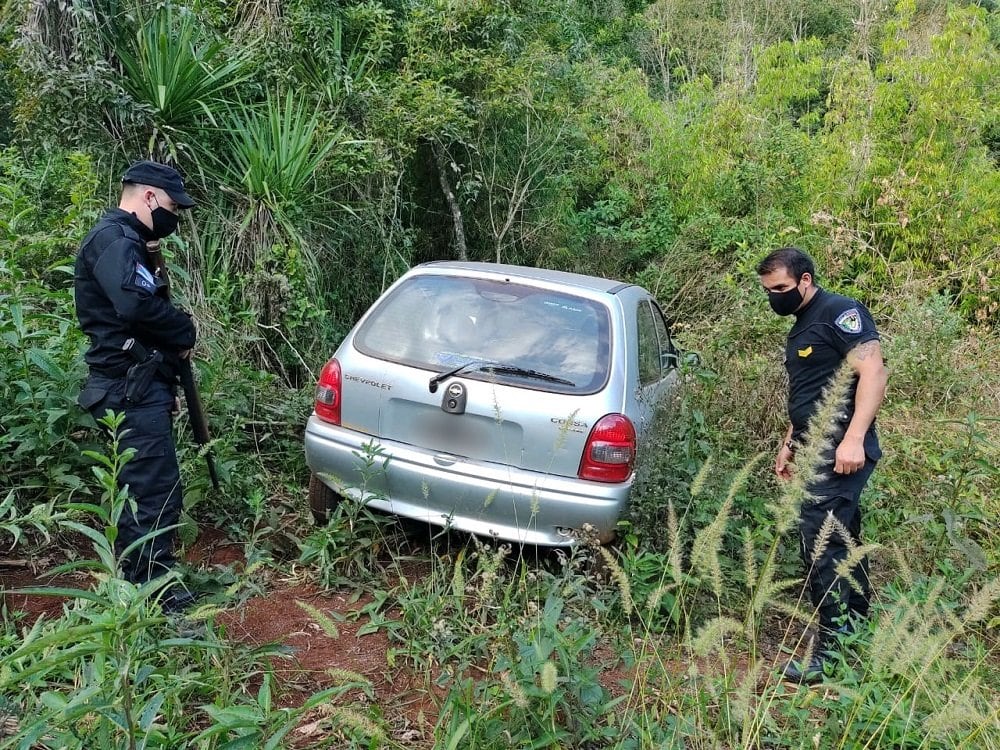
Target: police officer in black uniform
[[828, 330], [136, 340]]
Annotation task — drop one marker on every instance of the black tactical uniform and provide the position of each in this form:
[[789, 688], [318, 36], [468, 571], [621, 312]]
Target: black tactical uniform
[[118, 297], [825, 330]]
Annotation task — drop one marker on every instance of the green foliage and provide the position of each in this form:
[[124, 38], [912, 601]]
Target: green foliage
[[949, 511], [256, 444], [181, 79], [272, 158], [114, 672], [342, 48], [679, 444], [348, 547], [107, 640], [903, 160], [40, 519], [41, 208], [916, 645], [681, 40], [40, 382], [62, 75], [791, 80], [539, 692], [46, 204], [475, 597], [6, 86], [668, 143], [259, 724], [923, 353]]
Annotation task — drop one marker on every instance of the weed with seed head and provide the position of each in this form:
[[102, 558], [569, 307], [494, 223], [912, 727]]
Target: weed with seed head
[[708, 542], [812, 454], [622, 580]]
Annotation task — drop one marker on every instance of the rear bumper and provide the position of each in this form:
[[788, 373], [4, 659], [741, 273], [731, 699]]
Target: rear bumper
[[475, 496]]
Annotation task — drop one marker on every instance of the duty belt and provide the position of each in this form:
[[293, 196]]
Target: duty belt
[[112, 373]]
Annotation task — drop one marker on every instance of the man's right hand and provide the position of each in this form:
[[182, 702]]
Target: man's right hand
[[783, 463]]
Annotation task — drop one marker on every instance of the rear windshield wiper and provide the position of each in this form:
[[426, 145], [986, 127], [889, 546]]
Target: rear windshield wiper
[[525, 373], [499, 369], [475, 364]]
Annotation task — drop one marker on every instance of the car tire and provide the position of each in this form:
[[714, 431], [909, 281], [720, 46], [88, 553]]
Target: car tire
[[322, 500]]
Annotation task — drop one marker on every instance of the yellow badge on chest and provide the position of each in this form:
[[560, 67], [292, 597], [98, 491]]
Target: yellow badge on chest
[[805, 352]]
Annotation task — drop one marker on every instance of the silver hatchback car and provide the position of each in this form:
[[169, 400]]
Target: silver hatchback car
[[509, 401]]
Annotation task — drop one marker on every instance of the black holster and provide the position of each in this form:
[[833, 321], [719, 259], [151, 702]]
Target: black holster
[[141, 374]]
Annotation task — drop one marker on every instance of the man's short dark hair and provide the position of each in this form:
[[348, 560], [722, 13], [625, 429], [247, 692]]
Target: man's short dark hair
[[793, 260]]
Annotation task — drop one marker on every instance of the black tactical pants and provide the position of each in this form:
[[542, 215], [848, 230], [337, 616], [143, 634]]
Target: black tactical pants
[[152, 475], [832, 594]]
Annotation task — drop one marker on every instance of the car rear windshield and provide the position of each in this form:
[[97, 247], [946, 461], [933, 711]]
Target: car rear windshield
[[512, 333]]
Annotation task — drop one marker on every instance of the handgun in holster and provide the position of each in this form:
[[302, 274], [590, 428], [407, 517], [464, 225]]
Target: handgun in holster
[[141, 374]]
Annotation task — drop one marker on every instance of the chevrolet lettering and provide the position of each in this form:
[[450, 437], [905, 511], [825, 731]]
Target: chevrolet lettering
[[368, 381]]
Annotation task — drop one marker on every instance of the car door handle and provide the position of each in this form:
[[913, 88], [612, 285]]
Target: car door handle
[[445, 459]]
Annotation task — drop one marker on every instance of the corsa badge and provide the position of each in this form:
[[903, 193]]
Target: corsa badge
[[805, 352], [849, 321]]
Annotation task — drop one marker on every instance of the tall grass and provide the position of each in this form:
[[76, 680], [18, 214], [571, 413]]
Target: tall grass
[[700, 647], [113, 671]]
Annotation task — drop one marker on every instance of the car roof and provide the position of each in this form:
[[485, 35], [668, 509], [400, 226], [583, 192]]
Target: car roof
[[592, 283]]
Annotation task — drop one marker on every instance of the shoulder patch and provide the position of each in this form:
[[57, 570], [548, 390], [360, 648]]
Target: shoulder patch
[[144, 278], [849, 321]]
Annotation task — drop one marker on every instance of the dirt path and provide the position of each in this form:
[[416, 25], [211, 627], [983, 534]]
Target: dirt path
[[319, 654], [317, 659]]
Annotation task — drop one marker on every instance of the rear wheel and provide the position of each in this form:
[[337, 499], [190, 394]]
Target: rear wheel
[[322, 499]]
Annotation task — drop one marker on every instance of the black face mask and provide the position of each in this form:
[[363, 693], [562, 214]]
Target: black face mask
[[785, 303], [164, 222]]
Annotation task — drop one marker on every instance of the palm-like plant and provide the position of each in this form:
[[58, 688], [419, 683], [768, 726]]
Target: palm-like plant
[[272, 155], [183, 81]]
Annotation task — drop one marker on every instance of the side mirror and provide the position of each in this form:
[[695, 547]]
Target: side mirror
[[690, 359]]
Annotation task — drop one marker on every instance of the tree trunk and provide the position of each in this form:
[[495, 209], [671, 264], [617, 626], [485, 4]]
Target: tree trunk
[[441, 160]]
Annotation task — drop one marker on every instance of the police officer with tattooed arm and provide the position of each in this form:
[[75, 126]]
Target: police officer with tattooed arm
[[138, 339], [828, 330]]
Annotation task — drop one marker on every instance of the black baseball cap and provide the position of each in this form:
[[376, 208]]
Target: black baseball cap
[[153, 173]]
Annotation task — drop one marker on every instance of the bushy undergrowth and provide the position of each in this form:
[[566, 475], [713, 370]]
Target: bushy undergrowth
[[692, 642], [114, 671], [667, 143], [254, 418], [43, 212]]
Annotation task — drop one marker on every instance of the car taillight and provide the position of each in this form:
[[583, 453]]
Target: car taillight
[[328, 393], [610, 450]]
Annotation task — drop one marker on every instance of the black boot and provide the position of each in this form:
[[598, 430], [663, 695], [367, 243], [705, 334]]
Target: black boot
[[177, 600], [806, 673]]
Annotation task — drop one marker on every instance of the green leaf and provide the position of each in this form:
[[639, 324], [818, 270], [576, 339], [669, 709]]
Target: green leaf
[[247, 742], [53, 701], [44, 362], [100, 458], [458, 735], [234, 717], [149, 713], [264, 694], [69, 593]]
